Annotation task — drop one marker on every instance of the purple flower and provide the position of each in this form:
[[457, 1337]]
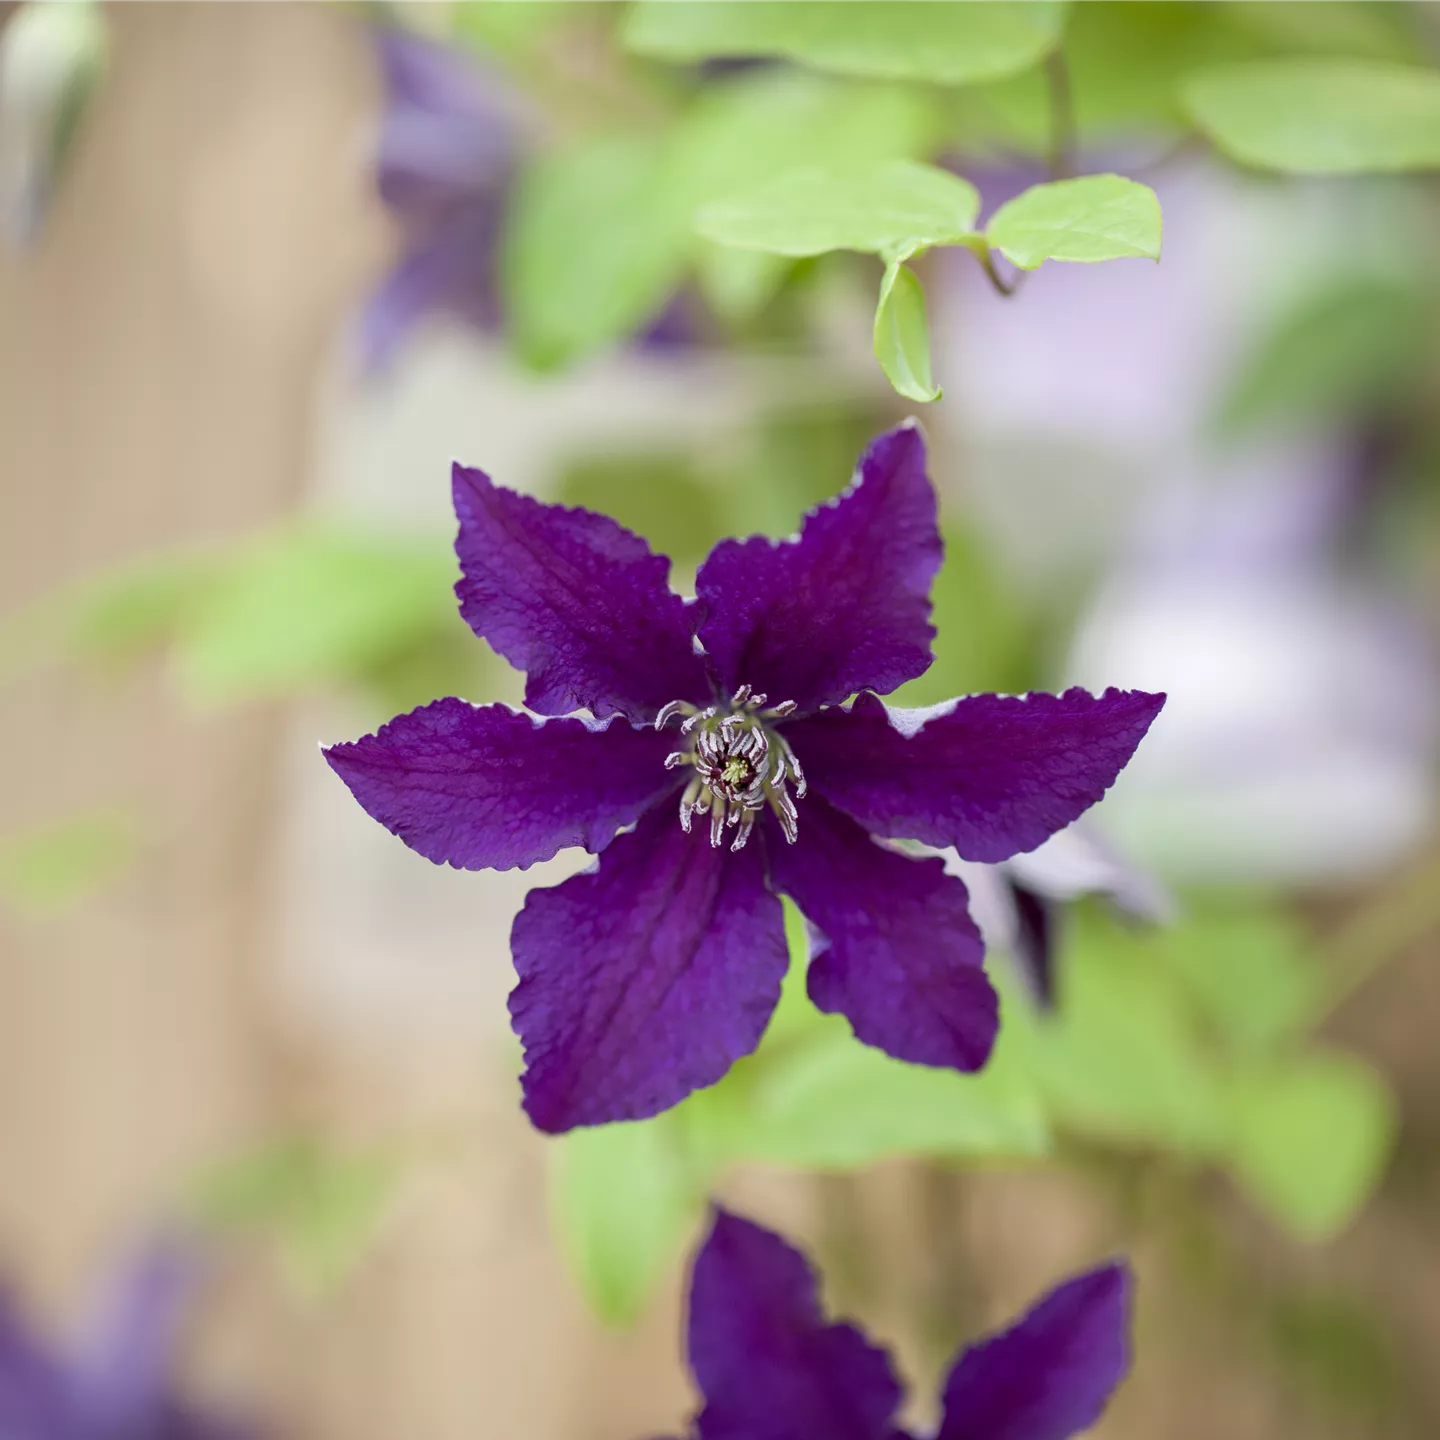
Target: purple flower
[[647, 976], [770, 1367], [444, 163], [114, 1383]]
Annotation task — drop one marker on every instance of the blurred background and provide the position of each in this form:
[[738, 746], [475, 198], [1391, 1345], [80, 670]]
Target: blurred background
[[267, 269]]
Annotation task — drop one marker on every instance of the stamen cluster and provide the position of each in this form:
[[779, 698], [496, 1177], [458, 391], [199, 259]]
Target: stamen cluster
[[741, 765]]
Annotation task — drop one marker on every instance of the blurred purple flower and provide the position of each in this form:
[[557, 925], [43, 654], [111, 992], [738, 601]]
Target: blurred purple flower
[[1017, 904], [770, 1368], [444, 161], [646, 977], [115, 1382]]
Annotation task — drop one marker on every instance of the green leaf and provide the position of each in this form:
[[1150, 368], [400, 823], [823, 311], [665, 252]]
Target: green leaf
[[594, 245], [321, 1208], [902, 338], [627, 1195], [891, 210], [1358, 343], [1320, 116], [1311, 1138], [747, 131], [830, 1102], [1249, 971], [47, 869], [1097, 217], [949, 42], [1120, 1059], [312, 604]]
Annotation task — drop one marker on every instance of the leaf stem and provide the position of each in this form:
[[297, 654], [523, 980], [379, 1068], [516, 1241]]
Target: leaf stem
[[1064, 133]]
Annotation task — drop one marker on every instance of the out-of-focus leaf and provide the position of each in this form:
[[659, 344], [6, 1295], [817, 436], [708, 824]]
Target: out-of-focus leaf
[[508, 27], [739, 284], [891, 209], [1124, 62], [594, 246], [1356, 344], [661, 496], [52, 867], [1320, 116], [1341, 27], [306, 605], [739, 135], [1311, 1136], [1097, 217], [902, 336], [1120, 1058], [833, 1103], [321, 1209], [626, 1196], [118, 615], [950, 42], [1248, 970]]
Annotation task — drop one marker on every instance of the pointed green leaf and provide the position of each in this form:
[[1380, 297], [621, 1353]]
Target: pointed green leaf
[[1097, 217], [948, 42], [1311, 1138], [626, 1196], [902, 338], [888, 209], [1320, 116]]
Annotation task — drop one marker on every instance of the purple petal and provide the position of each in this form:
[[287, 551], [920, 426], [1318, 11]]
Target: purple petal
[[903, 958], [489, 788], [645, 978], [423, 75], [768, 1365], [33, 1387], [990, 774], [576, 601], [845, 605], [1034, 942], [449, 270], [127, 1357], [1050, 1375], [445, 136]]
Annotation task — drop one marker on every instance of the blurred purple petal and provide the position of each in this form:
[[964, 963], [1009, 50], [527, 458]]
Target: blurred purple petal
[[768, 1365], [1034, 944], [645, 978], [990, 775], [485, 787], [903, 958], [126, 1355], [843, 606], [1049, 1376], [448, 270], [34, 1389], [576, 601]]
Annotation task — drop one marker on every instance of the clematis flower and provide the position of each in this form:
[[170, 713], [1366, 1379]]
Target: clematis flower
[[444, 160], [719, 742], [770, 1368], [114, 1382], [1017, 904]]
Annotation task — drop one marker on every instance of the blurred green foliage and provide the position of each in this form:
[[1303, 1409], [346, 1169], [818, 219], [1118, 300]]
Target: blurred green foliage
[[46, 869], [321, 1208], [1141, 1056], [1320, 116]]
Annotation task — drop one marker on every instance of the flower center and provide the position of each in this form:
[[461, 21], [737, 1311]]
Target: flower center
[[741, 765]]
